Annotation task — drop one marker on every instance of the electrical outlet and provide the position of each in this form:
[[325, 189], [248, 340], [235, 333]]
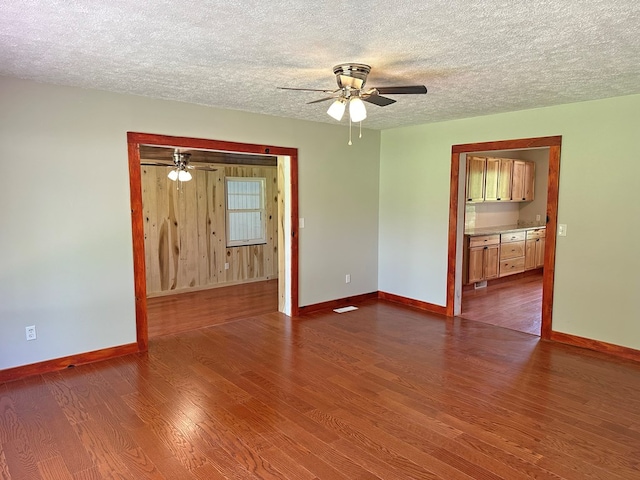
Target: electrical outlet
[[347, 278], [226, 266], [30, 332], [537, 218]]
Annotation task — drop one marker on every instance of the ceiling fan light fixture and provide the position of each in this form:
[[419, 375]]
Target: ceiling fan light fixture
[[357, 110], [336, 110], [173, 175], [184, 176]]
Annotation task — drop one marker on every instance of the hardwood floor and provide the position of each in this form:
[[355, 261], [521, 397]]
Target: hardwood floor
[[383, 392], [190, 311], [514, 304]]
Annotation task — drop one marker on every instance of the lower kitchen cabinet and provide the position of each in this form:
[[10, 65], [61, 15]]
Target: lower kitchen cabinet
[[482, 258], [512, 246], [534, 249]]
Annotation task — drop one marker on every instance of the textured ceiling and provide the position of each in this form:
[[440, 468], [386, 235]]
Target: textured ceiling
[[475, 57]]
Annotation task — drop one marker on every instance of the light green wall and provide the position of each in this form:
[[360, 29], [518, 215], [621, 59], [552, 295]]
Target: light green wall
[[597, 264], [65, 229]]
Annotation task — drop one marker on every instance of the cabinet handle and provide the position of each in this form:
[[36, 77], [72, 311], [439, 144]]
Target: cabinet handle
[[498, 198], [486, 248]]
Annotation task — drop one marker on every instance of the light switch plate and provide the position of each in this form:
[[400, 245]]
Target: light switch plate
[[301, 222], [562, 230]]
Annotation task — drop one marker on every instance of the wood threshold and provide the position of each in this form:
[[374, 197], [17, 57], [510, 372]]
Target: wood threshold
[[11, 374]]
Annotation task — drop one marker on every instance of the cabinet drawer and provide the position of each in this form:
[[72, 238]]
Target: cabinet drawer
[[537, 233], [482, 240], [512, 237], [509, 267], [511, 250]]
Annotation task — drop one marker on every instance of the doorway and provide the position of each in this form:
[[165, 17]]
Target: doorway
[[491, 292], [456, 220], [287, 194]]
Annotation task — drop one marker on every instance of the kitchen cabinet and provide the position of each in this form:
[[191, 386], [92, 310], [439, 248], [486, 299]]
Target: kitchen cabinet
[[534, 249], [502, 253], [482, 254], [512, 246], [498, 179], [476, 168], [523, 180]]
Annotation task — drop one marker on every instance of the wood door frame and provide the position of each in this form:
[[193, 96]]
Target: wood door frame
[[554, 144], [134, 140]]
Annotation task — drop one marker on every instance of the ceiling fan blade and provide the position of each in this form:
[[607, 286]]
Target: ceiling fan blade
[[321, 100], [378, 100], [307, 89], [408, 89], [157, 163]]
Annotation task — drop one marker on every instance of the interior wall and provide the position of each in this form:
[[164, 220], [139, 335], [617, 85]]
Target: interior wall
[[595, 277], [185, 236], [66, 234]]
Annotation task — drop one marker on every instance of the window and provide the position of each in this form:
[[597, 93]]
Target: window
[[246, 216]]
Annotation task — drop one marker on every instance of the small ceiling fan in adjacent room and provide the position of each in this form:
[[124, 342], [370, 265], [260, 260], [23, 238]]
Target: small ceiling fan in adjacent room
[[351, 92], [179, 165]]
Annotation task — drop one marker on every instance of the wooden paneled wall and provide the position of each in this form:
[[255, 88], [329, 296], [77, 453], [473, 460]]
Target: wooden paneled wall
[[184, 223]]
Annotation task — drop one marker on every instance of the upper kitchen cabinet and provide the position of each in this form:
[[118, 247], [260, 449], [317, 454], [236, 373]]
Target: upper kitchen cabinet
[[499, 180], [524, 174], [476, 168]]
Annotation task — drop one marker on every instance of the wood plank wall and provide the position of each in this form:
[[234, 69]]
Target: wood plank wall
[[184, 224]]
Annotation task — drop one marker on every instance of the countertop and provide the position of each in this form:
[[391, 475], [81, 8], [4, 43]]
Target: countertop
[[473, 232]]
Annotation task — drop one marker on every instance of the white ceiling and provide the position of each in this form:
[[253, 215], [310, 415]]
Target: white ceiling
[[475, 57]]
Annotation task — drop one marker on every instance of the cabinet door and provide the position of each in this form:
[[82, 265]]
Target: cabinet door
[[476, 167], [498, 180], [530, 254], [491, 261], [491, 182], [504, 179], [529, 180], [540, 242], [476, 264], [523, 180], [517, 184]]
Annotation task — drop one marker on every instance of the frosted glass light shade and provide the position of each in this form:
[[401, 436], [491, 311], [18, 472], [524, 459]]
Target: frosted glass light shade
[[336, 110], [173, 175], [357, 110], [184, 176]]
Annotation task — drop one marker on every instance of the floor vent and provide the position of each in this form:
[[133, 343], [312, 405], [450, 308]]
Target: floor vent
[[345, 309]]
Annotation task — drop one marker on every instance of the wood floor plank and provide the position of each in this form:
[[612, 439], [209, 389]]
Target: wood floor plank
[[384, 392]]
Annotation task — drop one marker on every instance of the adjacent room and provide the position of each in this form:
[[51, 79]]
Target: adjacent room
[[332, 241]]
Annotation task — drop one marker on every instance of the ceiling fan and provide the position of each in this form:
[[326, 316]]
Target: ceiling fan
[[351, 91], [179, 166]]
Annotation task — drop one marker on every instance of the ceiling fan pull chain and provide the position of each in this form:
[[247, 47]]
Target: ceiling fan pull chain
[[360, 130], [350, 130]]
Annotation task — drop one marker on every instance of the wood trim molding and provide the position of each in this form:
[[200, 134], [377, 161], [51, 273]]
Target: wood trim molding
[[134, 139], [338, 303], [554, 144], [410, 302], [519, 143], [39, 368], [596, 345]]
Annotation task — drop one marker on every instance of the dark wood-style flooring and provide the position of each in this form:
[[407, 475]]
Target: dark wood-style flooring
[[383, 392], [514, 303], [189, 311]]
